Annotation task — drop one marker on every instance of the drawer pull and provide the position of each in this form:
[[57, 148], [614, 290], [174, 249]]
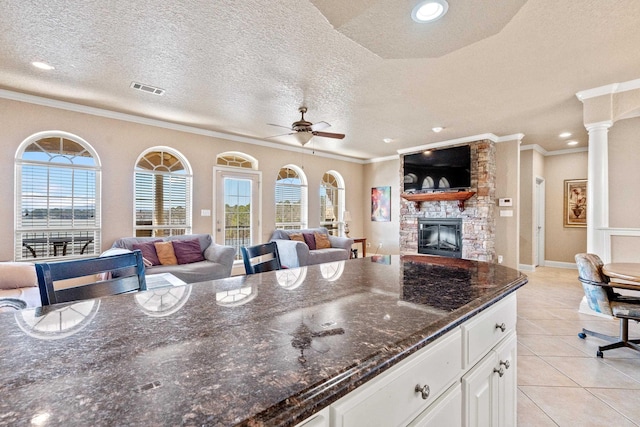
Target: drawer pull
[[500, 371], [501, 326], [505, 363], [424, 391]]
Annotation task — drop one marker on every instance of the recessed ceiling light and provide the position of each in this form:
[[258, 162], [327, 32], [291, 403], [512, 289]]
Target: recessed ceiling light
[[437, 129], [565, 135], [429, 10], [572, 142], [387, 140], [43, 65]]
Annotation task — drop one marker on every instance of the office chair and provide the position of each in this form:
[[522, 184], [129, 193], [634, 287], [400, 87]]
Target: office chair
[[109, 275], [251, 252], [602, 299]]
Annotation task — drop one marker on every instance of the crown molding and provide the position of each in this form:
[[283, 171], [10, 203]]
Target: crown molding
[[383, 159], [608, 89], [99, 112], [539, 149]]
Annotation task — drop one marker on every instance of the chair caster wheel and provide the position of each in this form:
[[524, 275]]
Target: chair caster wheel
[[600, 354], [582, 335]]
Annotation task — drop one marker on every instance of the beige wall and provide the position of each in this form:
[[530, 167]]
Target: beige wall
[[382, 174], [119, 143], [624, 174], [507, 179], [562, 243]]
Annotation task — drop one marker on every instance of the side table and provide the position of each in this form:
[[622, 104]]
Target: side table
[[363, 242]]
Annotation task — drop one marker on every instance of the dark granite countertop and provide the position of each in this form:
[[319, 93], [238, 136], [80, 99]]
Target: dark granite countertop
[[267, 349]]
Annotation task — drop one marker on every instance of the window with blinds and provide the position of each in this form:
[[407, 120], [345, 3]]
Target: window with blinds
[[331, 202], [162, 194], [291, 199], [57, 194]]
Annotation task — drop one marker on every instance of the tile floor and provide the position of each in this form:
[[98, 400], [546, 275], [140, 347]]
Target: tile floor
[[561, 382]]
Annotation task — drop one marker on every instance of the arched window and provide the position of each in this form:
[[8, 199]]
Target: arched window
[[162, 193], [57, 197], [291, 198], [235, 159], [332, 202]]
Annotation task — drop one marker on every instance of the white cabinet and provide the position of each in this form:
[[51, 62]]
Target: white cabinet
[[489, 388], [465, 378], [397, 396]]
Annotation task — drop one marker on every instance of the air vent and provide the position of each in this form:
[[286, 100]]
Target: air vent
[[146, 88]]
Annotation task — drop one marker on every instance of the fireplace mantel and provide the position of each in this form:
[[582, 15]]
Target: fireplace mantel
[[459, 196]]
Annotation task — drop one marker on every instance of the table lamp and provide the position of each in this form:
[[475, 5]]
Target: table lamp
[[346, 217]]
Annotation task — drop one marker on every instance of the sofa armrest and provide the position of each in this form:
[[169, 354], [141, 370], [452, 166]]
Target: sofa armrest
[[341, 242], [221, 254], [293, 253]]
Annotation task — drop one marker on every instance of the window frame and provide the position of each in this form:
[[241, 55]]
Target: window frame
[[304, 200]]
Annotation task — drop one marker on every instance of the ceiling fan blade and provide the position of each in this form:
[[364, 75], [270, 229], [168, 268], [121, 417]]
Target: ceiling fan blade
[[282, 134], [329, 135], [280, 126], [320, 126]]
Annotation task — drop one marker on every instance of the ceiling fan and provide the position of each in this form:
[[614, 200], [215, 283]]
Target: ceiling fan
[[306, 130]]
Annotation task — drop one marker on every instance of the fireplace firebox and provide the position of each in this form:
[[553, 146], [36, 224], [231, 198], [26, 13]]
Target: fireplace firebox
[[440, 236]]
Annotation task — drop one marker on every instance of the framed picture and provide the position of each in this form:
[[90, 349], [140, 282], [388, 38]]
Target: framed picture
[[575, 203], [381, 204]]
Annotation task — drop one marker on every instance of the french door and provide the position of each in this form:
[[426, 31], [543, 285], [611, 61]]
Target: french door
[[237, 211]]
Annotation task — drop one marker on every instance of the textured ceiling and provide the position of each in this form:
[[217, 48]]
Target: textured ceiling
[[234, 67]]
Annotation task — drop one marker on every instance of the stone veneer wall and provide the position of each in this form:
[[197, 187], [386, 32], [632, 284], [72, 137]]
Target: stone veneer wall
[[478, 217]]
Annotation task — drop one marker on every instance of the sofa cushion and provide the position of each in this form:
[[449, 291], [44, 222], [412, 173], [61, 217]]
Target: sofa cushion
[[310, 240], [297, 236], [165, 252], [15, 275], [322, 240], [187, 251], [148, 250]]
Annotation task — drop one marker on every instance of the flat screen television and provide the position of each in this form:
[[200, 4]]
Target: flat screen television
[[446, 169]]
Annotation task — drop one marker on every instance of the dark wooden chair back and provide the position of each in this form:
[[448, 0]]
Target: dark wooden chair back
[[251, 252], [121, 273]]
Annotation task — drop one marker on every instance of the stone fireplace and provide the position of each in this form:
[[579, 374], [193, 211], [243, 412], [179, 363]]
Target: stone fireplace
[[476, 214]]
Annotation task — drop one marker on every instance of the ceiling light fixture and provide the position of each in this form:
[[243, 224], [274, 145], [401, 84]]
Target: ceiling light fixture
[[43, 65], [565, 135], [429, 10], [572, 142], [387, 140], [437, 129]]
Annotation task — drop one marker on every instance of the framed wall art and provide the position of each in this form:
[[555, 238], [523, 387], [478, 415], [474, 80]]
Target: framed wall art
[[381, 204], [575, 203]]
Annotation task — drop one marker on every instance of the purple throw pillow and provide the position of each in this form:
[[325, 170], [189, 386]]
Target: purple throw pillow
[[148, 250], [187, 251], [310, 240]]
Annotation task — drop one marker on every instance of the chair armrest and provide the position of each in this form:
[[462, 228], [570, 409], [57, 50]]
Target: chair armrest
[[293, 253], [341, 242], [221, 254]]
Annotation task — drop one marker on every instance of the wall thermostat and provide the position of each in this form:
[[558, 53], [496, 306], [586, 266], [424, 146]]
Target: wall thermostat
[[505, 202]]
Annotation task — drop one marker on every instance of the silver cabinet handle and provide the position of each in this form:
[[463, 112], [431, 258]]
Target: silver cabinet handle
[[424, 391], [505, 363], [501, 326], [500, 371]]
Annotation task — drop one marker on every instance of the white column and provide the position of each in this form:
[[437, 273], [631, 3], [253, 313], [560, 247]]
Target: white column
[[597, 186]]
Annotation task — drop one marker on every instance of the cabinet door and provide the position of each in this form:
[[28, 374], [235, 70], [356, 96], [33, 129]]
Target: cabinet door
[[508, 383], [480, 394]]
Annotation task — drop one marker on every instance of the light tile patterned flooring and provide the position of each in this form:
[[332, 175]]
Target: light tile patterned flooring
[[561, 382]]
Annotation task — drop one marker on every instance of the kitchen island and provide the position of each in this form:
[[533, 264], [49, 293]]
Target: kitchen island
[[269, 349]]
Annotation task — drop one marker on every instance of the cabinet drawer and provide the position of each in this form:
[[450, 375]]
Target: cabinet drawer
[[485, 330], [390, 399], [446, 411]]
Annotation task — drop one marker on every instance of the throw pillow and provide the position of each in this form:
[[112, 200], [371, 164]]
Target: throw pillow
[[309, 240], [148, 250], [165, 253], [322, 240], [296, 236], [14, 275], [187, 251]]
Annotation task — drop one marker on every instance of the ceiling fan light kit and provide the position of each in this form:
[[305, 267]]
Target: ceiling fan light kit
[[305, 130]]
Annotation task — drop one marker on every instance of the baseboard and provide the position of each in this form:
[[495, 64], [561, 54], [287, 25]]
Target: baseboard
[[558, 264], [526, 267]]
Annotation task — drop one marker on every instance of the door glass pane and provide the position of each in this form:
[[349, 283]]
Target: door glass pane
[[237, 213]]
